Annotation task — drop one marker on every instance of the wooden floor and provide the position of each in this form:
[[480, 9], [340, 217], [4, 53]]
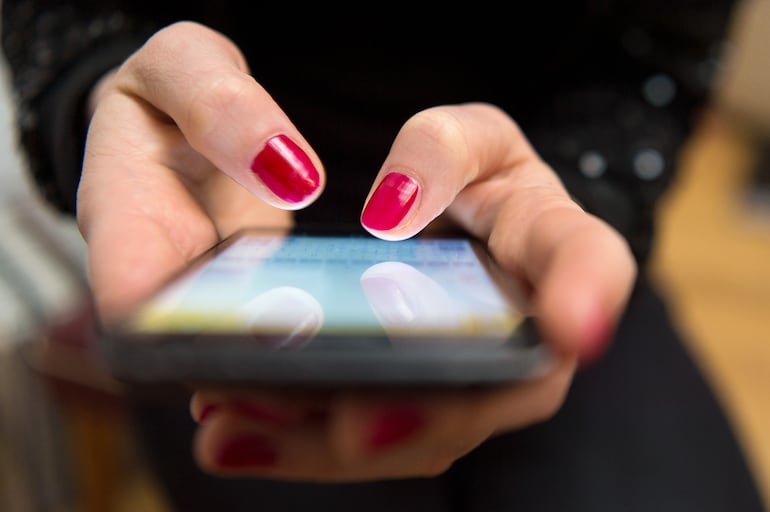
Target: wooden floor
[[713, 263]]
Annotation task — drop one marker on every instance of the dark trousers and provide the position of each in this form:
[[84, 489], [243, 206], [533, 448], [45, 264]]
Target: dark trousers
[[640, 431]]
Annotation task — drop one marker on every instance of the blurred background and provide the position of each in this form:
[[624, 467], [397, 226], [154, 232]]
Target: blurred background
[[65, 444]]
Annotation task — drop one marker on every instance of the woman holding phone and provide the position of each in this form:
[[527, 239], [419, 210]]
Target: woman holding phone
[[163, 136]]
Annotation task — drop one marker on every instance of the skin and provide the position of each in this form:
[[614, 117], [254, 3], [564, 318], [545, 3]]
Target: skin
[[166, 175]]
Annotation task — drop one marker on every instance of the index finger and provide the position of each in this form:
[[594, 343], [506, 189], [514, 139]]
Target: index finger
[[198, 77]]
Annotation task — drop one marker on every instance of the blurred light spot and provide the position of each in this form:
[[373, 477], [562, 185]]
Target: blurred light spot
[[649, 164], [659, 90], [592, 164]]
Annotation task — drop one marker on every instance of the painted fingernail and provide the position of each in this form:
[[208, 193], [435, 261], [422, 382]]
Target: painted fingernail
[[390, 202], [261, 413], [596, 336], [248, 451], [393, 426], [286, 170]]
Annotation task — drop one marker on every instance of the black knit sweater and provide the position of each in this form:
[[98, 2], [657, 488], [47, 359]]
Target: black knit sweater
[[604, 91]]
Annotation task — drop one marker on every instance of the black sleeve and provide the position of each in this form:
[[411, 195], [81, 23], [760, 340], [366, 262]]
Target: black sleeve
[[56, 51]]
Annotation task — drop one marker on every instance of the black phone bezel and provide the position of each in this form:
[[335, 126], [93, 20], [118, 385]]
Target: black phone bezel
[[209, 359]]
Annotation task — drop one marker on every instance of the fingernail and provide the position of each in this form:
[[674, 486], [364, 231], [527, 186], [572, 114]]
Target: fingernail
[[261, 413], [390, 202], [596, 336], [393, 426], [248, 451], [286, 170]]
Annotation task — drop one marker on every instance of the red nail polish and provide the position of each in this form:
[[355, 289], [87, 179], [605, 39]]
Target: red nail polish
[[395, 425], [597, 335], [390, 202], [248, 451], [286, 170]]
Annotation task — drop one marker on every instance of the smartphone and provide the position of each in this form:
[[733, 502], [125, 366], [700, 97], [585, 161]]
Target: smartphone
[[320, 308]]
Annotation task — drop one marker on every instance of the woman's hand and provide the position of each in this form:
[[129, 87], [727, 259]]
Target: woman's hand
[[472, 165], [184, 147]]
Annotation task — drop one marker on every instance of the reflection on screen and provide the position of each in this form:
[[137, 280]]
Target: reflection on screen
[[301, 285]]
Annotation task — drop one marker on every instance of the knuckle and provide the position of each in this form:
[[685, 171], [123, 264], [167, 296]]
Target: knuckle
[[146, 65], [174, 40], [164, 42], [442, 128], [176, 33], [216, 97]]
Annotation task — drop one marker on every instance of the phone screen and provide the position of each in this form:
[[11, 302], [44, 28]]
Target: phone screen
[[337, 284], [377, 304]]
